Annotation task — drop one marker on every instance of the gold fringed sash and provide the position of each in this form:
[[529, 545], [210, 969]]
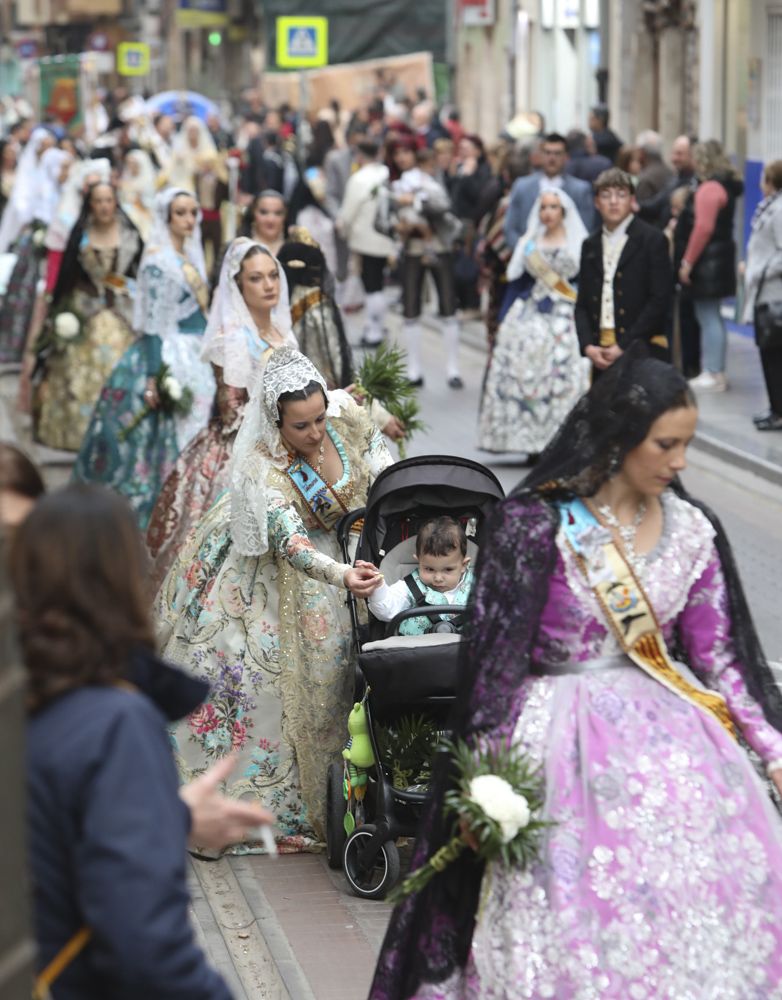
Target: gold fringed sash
[[632, 619]]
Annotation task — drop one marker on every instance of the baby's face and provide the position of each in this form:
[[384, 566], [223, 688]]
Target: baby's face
[[442, 573]]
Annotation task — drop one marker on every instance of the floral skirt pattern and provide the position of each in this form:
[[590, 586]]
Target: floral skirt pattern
[[18, 302], [535, 376], [196, 481], [275, 646], [73, 377], [138, 466], [661, 878]]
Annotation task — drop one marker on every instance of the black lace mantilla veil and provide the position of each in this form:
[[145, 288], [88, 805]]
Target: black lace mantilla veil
[[429, 935], [320, 332]]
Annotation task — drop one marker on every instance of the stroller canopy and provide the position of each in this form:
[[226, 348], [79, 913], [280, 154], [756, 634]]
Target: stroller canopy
[[423, 487]]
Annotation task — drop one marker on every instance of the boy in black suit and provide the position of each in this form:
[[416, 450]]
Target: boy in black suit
[[625, 286]]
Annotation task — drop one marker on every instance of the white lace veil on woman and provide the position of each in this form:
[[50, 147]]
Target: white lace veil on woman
[[259, 445], [71, 199], [20, 209], [575, 231], [158, 306], [231, 340]]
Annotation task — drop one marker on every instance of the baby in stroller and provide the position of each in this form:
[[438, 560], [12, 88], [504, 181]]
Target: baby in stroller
[[443, 576]]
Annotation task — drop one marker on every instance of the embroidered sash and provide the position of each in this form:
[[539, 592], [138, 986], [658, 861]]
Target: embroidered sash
[[628, 612], [537, 265], [321, 499], [197, 285]]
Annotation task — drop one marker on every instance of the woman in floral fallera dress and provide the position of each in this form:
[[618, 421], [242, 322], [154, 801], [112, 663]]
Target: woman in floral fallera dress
[[536, 372], [611, 641], [255, 602], [134, 456], [249, 318], [95, 281]]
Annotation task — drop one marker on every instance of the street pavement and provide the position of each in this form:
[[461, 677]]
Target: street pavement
[[289, 927]]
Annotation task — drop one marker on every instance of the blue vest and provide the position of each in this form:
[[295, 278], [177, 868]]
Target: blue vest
[[422, 625]]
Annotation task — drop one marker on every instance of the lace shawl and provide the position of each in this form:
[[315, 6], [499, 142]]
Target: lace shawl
[[164, 297], [231, 340], [259, 446]]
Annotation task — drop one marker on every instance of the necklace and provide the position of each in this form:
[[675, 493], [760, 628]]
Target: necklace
[[627, 532], [303, 458]]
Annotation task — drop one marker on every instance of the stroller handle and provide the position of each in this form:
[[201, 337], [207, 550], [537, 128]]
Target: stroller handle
[[344, 525], [430, 611]]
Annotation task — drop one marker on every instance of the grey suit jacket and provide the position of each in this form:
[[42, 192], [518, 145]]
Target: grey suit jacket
[[522, 197]]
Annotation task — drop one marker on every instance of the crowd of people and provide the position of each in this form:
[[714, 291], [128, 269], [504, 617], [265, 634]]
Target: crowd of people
[[174, 300]]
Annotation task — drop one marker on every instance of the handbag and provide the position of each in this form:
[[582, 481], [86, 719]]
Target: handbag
[[71, 950], [768, 320]]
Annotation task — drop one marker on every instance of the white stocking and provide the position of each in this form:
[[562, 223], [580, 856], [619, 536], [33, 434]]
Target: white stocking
[[451, 338], [413, 348]]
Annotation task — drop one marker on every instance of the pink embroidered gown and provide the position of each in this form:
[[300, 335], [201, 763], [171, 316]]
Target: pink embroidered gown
[[662, 878]]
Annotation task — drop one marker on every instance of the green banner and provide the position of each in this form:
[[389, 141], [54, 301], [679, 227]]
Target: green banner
[[60, 90]]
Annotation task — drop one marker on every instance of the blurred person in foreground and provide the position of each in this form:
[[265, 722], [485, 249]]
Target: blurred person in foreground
[[108, 824], [20, 486]]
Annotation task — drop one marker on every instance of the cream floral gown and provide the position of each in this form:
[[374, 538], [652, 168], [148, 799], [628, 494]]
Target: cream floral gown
[[272, 636]]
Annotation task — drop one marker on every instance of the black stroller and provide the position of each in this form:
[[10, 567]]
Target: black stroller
[[399, 676]]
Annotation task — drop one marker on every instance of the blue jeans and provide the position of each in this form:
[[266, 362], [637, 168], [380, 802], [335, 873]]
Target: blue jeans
[[714, 335]]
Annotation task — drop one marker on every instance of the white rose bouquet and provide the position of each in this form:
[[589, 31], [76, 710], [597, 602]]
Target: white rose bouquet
[[67, 326], [496, 803], [174, 399]]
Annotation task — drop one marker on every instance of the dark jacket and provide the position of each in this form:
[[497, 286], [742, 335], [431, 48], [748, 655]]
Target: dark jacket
[[714, 273], [466, 191], [586, 166], [643, 288], [108, 836]]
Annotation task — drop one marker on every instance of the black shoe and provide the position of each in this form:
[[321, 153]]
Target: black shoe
[[455, 382], [371, 345], [760, 417], [416, 383], [770, 423]]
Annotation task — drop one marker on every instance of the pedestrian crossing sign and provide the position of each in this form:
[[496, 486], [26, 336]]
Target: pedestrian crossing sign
[[133, 59], [302, 42]]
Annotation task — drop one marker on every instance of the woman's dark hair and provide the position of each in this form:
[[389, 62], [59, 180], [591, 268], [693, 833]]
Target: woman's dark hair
[[614, 417], [299, 396], [18, 474], [179, 194], [71, 272], [78, 567], [249, 213], [773, 174], [254, 251], [477, 142]]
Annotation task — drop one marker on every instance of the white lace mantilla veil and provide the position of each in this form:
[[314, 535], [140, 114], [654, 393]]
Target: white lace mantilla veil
[[21, 205], [231, 339], [575, 231], [71, 199], [158, 307], [49, 187], [259, 445]]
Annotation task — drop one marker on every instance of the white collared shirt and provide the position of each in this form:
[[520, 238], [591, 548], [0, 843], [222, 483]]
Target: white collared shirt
[[613, 244]]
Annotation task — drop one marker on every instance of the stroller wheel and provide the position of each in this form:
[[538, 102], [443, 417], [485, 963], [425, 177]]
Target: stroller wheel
[[335, 816], [370, 878]]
